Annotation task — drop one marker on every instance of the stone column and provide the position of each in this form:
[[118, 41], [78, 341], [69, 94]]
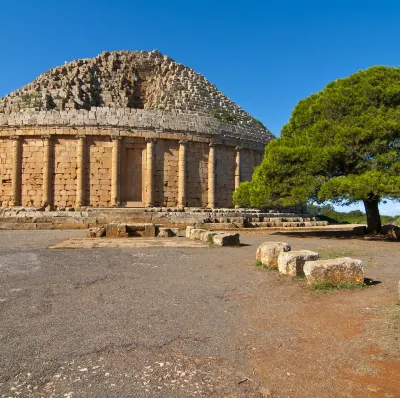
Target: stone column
[[211, 176], [16, 171], [47, 170], [115, 171], [149, 171], [237, 167], [182, 173], [80, 171]]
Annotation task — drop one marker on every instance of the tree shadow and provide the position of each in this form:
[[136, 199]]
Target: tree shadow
[[371, 282], [334, 235]]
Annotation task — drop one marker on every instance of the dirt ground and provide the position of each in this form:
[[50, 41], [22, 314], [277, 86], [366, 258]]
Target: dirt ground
[[193, 321]]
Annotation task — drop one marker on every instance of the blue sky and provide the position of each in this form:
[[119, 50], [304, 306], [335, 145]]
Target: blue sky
[[265, 55]]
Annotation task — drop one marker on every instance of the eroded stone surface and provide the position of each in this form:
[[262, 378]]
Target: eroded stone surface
[[268, 253], [336, 271], [96, 232], [292, 263], [226, 239]]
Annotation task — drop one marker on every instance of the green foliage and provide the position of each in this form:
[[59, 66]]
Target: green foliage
[[224, 116], [241, 197], [341, 144], [328, 213], [32, 100], [50, 104]]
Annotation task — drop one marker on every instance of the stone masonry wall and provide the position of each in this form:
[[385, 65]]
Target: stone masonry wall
[[6, 163], [247, 164], [197, 173], [64, 177], [99, 171], [166, 173], [32, 172], [225, 176], [97, 168]]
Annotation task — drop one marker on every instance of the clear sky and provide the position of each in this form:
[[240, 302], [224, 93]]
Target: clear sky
[[265, 55]]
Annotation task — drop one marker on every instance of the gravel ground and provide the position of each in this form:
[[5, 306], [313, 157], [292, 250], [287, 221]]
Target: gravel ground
[[184, 322]]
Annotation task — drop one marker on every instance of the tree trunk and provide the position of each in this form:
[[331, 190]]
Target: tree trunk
[[373, 217]]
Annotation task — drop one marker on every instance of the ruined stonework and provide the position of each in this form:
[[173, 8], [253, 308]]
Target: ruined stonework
[[125, 129]]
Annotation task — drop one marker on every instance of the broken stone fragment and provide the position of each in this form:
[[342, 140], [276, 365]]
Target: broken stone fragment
[[292, 263], [268, 253], [97, 232], [336, 271], [165, 233]]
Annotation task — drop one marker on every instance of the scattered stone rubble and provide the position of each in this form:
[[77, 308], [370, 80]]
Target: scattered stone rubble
[[306, 263]]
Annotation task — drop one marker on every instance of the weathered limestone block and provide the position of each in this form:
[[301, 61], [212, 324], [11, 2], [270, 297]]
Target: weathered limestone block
[[335, 271], [150, 231], [165, 233], [197, 233], [188, 231], [226, 239], [268, 253], [98, 232], [208, 236], [292, 263], [116, 230], [390, 230], [360, 230]]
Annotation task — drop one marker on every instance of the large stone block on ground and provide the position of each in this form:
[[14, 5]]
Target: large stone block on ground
[[292, 263], [268, 253], [97, 232], [197, 233], [188, 231], [336, 271], [226, 239], [208, 236]]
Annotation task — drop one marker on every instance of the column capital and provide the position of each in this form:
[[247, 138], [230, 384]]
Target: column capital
[[116, 138], [15, 137], [81, 136], [149, 139], [45, 136], [183, 142], [238, 148]]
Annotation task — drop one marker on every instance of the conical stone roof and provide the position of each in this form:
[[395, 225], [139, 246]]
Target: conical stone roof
[[129, 80]]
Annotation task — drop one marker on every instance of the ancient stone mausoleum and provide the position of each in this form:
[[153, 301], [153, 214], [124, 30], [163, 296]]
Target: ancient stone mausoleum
[[125, 129]]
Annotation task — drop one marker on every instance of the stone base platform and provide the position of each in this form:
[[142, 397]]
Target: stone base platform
[[213, 219]]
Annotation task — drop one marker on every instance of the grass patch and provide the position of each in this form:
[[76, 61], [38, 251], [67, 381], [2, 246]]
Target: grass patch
[[327, 286], [261, 265], [326, 254]]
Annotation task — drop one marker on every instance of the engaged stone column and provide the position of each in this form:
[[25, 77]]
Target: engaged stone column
[[80, 171], [16, 171], [115, 171], [47, 170], [149, 171], [237, 167], [211, 176], [182, 173]]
